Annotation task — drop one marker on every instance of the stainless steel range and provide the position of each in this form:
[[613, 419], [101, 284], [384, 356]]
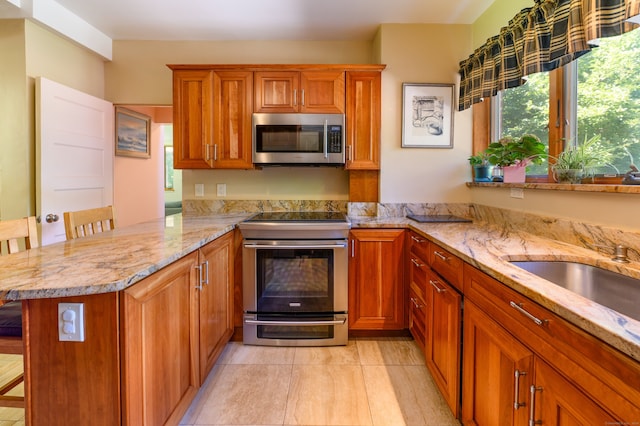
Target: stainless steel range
[[295, 279]]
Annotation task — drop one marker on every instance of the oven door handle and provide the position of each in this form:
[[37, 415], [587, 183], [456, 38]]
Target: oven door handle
[[296, 323], [310, 246]]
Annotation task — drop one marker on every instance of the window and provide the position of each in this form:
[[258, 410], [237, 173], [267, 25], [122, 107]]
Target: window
[[601, 97], [525, 109], [608, 101]]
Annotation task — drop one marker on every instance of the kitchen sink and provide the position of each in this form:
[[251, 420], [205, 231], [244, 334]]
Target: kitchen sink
[[615, 291]]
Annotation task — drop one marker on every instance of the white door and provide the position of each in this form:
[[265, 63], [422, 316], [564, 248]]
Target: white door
[[74, 154]]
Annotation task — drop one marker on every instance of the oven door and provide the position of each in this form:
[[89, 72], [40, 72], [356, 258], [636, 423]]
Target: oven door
[[295, 292]]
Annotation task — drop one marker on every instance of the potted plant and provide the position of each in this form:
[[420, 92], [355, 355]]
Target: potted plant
[[576, 162], [482, 168], [513, 155]]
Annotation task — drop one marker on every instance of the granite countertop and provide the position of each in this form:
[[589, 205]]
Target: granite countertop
[[490, 248], [109, 261], [115, 260]]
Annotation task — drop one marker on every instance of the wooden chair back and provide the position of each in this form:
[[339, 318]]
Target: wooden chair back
[[83, 223], [12, 232]]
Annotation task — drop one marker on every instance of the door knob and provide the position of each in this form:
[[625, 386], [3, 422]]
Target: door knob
[[50, 218]]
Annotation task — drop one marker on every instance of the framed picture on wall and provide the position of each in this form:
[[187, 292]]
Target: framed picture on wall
[[427, 115], [132, 133]]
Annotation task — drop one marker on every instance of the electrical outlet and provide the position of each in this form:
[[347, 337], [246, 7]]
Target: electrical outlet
[[199, 189], [221, 189], [71, 322], [517, 193]]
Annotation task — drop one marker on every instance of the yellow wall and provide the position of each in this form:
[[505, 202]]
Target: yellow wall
[[422, 54], [496, 17], [16, 153], [138, 74]]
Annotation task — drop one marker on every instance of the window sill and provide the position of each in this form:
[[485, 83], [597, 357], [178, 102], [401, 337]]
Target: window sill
[[582, 187]]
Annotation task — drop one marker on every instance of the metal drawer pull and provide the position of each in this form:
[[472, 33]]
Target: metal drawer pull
[[418, 240], [532, 421], [206, 272], [441, 256], [517, 404], [296, 323], [415, 303], [415, 262], [519, 308], [435, 285]]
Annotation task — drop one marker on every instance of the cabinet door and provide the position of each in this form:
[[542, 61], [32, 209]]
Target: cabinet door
[[216, 301], [322, 92], [160, 345], [490, 361], [192, 119], [443, 347], [376, 289], [276, 91], [363, 120], [233, 97], [418, 308], [558, 402]]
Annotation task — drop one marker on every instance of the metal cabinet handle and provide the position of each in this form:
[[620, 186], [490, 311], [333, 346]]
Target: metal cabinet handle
[[350, 153], [435, 285], [415, 303], [441, 256], [295, 97], [532, 420], [302, 97], [516, 392], [415, 262], [207, 157], [353, 249], [199, 284], [418, 240], [215, 152], [518, 307], [206, 272]]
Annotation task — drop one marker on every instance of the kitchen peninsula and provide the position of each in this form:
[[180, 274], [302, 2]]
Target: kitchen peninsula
[[100, 380]]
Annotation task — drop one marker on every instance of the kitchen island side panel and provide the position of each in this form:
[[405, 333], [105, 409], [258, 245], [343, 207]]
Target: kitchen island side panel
[[72, 383]]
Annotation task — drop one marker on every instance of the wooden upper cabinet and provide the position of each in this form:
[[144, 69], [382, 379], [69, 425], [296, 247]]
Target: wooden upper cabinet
[[363, 111], [305, 91], [233, 106], [192, 119]]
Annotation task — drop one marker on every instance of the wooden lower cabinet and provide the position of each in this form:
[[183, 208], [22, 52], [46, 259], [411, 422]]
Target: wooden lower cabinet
[[556, 401], [216, 301], [376, 279], [443, 338], [491, 358], [517, 371], [160, 345]]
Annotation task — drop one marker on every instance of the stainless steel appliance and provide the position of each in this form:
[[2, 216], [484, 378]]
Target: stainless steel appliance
[[298, 139], [295, 279]]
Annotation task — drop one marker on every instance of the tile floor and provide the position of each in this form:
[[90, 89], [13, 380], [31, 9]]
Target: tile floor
[[368, 382], [10, 366]]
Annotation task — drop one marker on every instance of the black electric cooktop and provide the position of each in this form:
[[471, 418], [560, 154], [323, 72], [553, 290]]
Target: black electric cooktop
[[298, 217], [437, 218]]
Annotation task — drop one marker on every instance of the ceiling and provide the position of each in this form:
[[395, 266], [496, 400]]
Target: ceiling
[[322, 20]]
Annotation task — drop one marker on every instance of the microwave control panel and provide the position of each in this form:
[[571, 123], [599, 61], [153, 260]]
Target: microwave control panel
[[334, 139]]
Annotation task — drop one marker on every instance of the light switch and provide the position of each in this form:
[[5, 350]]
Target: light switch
[[199, 189], [221, 189], [71, 322]]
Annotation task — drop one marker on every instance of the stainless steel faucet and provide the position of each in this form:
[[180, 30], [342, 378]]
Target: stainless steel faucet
[[620, 254]]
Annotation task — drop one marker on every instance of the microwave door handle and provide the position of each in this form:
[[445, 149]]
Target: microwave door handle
[[326, 139]]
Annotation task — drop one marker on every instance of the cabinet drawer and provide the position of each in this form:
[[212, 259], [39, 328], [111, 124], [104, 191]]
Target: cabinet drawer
[[608, 376], [446, 264], [417, 317], [419, 245], [417, 274]]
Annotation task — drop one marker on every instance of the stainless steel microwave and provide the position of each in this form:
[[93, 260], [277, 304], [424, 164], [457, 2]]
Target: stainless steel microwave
[[298, 139]]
